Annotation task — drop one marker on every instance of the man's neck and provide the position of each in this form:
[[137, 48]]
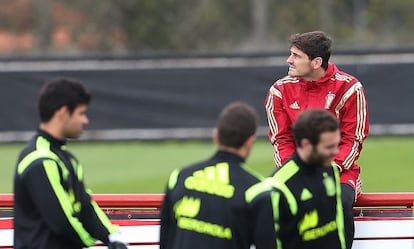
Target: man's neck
[[52, 130], [302, 155], [240, 152], [316, 75]]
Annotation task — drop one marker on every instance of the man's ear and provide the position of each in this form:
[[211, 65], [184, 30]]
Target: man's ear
[[250, 141], [304, 143], [216, 138], [317, 62], [62, 112]]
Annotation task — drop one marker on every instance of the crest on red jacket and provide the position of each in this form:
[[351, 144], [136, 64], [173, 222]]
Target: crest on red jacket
[[329, 98]]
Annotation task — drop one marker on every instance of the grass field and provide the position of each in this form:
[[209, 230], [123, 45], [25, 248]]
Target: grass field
[[143, 167]]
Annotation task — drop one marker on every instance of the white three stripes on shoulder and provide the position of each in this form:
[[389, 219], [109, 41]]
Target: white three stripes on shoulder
[[361, 119], [271, 119], [275, 91]]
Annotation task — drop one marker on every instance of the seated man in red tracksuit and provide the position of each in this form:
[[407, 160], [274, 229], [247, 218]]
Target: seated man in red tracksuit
[[314, 82]]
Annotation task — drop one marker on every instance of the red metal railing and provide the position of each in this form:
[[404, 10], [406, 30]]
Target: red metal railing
[[154, 200], [113, 203], [386, 199]]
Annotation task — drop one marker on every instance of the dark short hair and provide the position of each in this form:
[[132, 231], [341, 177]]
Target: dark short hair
[[312, 123], [313, 44], [236, 123], [60, 92]]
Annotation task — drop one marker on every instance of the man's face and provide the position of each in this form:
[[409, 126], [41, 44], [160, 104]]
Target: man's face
[[327, 148], [299, 63], [74, 123]]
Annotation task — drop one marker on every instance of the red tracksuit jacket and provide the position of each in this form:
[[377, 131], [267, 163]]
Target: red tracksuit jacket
[[341, 94]]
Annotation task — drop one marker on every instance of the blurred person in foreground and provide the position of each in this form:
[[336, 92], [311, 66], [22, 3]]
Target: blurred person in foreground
[[307, 195], [52, 207], [314, 82], [209, 204]]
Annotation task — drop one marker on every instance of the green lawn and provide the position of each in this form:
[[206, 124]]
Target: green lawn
[[143, 167]]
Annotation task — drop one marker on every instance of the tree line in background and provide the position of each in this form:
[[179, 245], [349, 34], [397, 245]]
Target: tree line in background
[[203, 25]]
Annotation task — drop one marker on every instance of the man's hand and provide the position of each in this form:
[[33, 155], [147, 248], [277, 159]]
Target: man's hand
[[116, 241], [117, 245]]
